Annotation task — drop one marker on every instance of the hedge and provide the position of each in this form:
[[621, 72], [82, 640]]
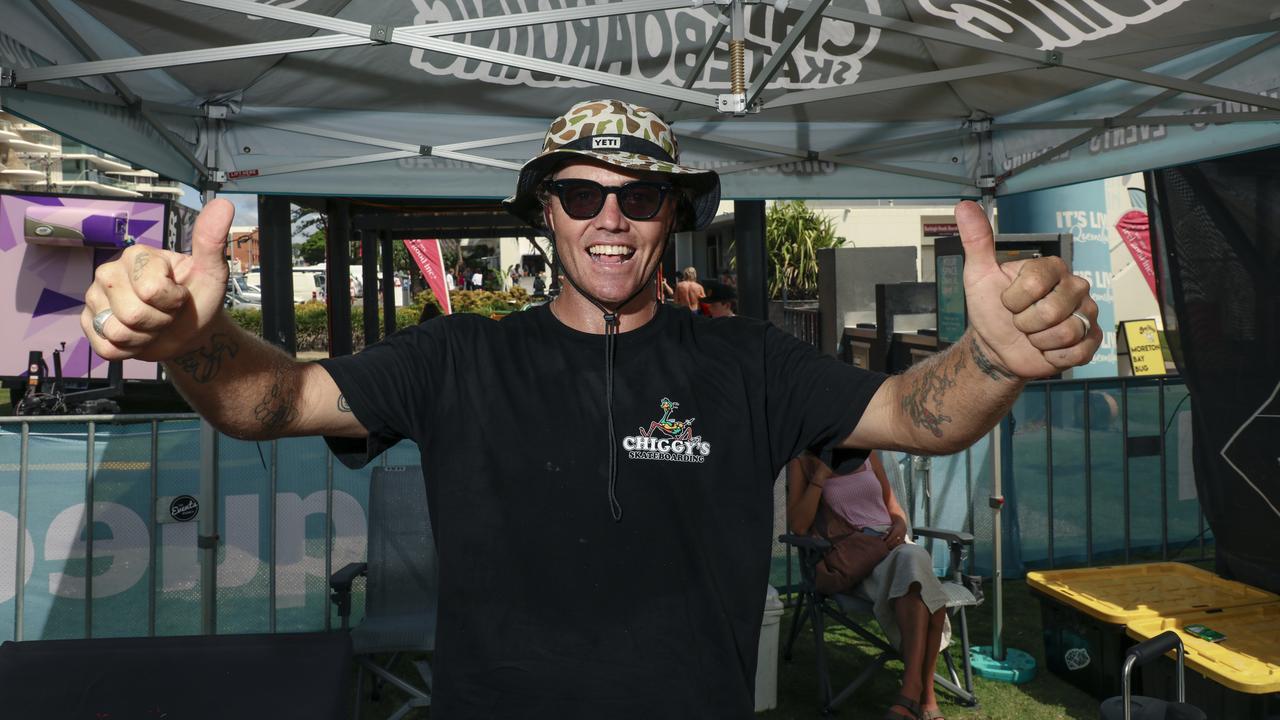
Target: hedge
[[312, 323]]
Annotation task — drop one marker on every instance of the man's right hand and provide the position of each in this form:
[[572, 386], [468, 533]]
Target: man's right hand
[[160, 301]]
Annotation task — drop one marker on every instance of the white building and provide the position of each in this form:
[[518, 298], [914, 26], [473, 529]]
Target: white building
[[35, 159]]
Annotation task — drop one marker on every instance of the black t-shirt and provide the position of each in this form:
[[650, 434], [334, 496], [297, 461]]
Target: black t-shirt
[[548, 607]]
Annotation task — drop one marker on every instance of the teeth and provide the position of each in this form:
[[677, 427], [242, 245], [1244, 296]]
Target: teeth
[[609, 250]]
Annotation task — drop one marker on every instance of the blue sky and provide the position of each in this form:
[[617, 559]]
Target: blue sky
[[246, 207]]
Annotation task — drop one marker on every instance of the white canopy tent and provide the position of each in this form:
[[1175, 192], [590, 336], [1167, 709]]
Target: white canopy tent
[[836, 98]]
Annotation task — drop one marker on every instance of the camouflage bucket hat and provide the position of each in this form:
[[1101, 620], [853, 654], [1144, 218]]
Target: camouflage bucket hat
[[624, 135]]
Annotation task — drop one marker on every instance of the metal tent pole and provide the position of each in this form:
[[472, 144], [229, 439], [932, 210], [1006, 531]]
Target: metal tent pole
[[207, 517], [997, 662], [996, 501]]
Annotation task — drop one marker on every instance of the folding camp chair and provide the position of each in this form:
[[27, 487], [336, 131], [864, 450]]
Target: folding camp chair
[[400, 586], [855, 613]]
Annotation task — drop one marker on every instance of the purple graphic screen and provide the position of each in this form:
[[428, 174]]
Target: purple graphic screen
[[49, 248]]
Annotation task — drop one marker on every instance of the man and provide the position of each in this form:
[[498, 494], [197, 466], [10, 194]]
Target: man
[[689, 292], [719, 299], [603, 523]]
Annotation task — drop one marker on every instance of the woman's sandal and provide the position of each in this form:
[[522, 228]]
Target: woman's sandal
[[932, 715], [905, 703]]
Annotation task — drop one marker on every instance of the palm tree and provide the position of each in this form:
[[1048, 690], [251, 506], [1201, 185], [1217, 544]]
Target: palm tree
[[794, 233]]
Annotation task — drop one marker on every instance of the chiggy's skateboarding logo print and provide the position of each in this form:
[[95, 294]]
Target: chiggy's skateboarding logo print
[[667, 438]]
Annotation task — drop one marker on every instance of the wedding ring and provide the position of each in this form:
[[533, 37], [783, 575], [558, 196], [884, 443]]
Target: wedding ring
[[1087, 325], [99, 320]]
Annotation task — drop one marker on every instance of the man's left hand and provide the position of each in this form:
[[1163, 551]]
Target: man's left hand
[[1024, 313]]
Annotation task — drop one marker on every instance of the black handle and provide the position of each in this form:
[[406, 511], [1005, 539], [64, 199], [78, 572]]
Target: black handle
[[1145, 652]]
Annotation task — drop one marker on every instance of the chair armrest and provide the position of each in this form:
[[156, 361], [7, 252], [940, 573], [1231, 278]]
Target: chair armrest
[[951, 536], [805, 542], [341, 582]]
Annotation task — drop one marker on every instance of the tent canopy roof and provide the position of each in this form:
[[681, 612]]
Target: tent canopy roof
[[844, 98]]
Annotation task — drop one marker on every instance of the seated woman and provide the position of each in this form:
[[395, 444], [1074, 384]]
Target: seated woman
[[908, 599]]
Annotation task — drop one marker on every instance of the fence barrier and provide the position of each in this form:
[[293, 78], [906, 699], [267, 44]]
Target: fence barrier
[[100, 556], [804, 322], [1100, 473]]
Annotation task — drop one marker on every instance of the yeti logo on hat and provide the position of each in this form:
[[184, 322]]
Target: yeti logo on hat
[[606, 142]]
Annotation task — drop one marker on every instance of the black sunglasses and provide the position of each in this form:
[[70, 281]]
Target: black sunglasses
[[583, 199]]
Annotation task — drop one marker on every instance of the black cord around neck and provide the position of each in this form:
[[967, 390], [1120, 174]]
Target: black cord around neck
[[611, 326]]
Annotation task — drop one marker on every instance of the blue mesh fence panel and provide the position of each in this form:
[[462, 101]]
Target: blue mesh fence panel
[[349, 525], [244, 524], [1145, 511], [1029, 503], [1027, 480], [10, 453], [301, 526], [54, 598], [177, 562], [1184, 506], [121, 549], [1106, 439], [1069, 501]]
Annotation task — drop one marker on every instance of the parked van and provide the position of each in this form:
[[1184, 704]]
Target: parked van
[[308, 282]]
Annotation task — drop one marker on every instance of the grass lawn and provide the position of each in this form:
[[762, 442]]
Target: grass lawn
[[1044, 698]]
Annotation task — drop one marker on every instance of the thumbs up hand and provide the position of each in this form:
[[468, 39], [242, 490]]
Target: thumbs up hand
[[1033, 318], [159, 301]]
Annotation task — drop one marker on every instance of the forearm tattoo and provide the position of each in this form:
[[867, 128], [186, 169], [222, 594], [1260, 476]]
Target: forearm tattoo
[[277, 408], [342, 404], [203, 364], [928, 387], [985, 364]]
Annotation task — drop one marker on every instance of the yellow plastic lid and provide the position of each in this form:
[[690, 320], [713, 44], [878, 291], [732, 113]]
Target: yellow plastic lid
[[1248, 660], [1119, 594]]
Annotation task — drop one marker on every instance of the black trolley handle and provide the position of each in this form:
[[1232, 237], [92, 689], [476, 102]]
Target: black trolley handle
[[1145, 652]]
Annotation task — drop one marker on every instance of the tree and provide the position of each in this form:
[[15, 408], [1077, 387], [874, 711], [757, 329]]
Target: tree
[[307, 221], [794, 233], [312, 250]]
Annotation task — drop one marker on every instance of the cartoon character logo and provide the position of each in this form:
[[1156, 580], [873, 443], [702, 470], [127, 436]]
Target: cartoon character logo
[[672, 428], [667, 439]]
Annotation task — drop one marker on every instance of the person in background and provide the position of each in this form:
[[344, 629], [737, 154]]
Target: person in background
[[667, 294], [688, 291], [719, 300], [477, 280], [908, 600], [429, 311]]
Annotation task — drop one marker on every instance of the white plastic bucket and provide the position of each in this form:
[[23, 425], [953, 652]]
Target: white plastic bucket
[[767, 659]]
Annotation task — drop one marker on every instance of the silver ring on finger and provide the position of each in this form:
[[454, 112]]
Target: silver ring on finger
[[1084, 319], [100, 320]]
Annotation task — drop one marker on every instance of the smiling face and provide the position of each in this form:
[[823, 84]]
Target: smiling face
[[609, 255]]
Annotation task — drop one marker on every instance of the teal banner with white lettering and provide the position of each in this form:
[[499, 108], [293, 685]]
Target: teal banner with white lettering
[[127, 563]]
